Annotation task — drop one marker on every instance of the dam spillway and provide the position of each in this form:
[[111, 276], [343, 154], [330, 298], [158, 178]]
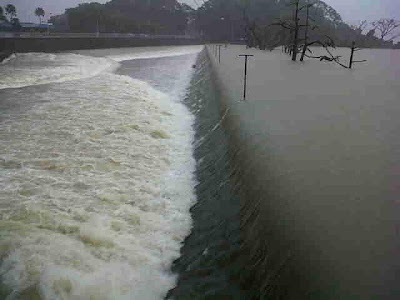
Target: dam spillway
[[315, 151], [292, 194]]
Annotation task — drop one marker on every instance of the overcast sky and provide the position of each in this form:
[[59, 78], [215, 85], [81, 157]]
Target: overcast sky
[[351, 10]]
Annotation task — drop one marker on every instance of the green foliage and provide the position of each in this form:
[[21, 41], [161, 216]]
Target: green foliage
[[215, 20], [127, 16]]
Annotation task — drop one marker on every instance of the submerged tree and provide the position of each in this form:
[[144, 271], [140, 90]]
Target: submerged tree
[[354, 49], [306, 30], [294, 27], [336, 59], [39, 12]]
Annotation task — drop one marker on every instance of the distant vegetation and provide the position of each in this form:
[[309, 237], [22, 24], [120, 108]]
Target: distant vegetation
[[126, 16], [254, 19], [250, 21]]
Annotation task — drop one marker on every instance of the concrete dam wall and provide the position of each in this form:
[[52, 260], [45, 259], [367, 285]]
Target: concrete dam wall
[[318, 213], [55, 44]]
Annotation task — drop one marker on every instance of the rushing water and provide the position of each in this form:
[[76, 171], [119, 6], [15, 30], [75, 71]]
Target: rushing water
[[208, 266], [96, 172]]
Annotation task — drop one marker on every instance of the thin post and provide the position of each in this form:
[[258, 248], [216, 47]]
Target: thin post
[[246, 56], [219, 53]]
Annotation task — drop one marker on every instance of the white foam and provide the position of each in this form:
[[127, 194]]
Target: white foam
[[25, 69], [155, 52], [7, 59], [97, 184]]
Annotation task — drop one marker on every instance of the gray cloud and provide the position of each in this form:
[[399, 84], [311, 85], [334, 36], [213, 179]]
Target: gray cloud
[[356, 10]]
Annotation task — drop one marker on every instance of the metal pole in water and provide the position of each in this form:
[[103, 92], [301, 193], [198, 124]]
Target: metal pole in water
[[246, 56], [97, 28], [219, 53]]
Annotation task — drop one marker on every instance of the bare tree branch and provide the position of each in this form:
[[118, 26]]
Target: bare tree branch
[[385, 27], [284, 24]]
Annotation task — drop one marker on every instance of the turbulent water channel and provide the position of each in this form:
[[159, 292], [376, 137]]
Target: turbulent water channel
[[97, 172]]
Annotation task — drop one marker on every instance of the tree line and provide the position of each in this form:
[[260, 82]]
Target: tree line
[[126, 16], [254, 21], [243, 21]]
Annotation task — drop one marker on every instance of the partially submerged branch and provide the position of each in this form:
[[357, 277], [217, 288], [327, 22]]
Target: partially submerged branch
[[333, 58], [354, 49]]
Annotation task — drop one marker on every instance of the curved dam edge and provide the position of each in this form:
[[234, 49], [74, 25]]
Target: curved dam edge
[[268, 267], [208, 261], [55, 44]]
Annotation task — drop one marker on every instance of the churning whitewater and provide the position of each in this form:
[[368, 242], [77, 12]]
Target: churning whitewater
[[96, 176]]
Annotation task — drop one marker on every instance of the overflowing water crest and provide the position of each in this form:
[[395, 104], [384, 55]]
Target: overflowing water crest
[[96, 176]]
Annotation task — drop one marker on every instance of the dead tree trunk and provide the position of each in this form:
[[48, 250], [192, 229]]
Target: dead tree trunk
[[352, 61], [294, 27], [306, 32], [353, 48], [296, 32]]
